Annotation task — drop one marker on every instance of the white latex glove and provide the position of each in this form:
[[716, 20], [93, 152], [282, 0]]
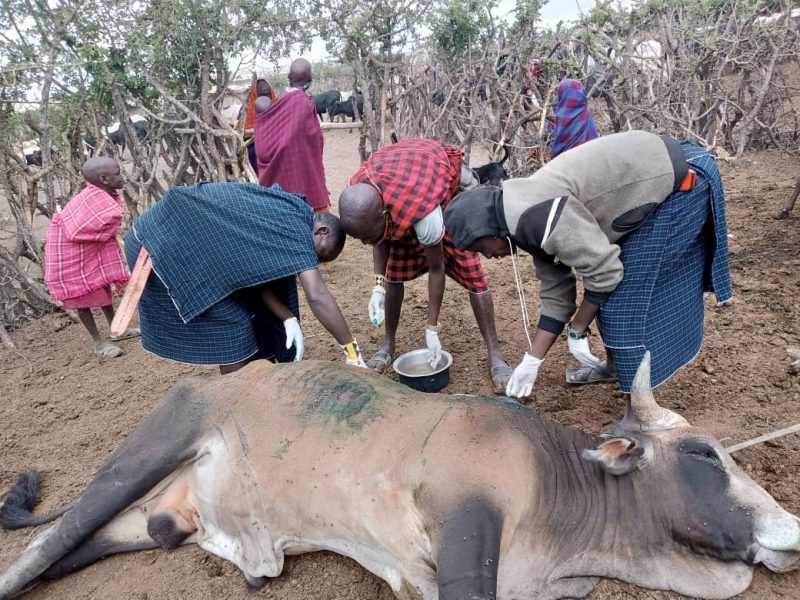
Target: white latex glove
[[352, 355], [375, 308], [294, 336], [580, 350], [524, 376], [434, 347]]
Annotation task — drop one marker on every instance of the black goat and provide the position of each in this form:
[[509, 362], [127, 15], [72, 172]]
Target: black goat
[[494, 173]]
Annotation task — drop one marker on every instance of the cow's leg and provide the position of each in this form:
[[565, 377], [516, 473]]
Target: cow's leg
[[126, 533], [166, 439], [467, 552]]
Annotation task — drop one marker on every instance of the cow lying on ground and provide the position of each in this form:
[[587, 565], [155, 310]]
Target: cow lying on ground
[[447, 497]]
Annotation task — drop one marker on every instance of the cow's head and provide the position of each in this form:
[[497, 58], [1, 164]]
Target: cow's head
[[701, 522], [494, 173]]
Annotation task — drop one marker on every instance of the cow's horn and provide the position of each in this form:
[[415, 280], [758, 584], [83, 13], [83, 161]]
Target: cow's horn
[[643, 412]]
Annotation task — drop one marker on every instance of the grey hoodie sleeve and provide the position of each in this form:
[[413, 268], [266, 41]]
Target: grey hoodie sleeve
[[556, 292], [574, 237]]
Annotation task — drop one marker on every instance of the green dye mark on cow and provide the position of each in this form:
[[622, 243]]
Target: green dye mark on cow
[[346, 403]]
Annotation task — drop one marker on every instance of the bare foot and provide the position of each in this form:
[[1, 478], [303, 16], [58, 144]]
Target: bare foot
[[106, 349]]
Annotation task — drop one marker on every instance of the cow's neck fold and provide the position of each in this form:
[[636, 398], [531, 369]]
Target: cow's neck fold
[[592, 517]]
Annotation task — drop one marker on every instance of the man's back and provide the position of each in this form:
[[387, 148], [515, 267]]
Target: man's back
[[289, 146]]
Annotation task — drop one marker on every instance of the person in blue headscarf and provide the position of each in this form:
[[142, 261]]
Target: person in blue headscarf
[[574, 124]]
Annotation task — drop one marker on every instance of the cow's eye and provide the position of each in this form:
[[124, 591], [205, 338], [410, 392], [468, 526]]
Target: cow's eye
[[703, 452]]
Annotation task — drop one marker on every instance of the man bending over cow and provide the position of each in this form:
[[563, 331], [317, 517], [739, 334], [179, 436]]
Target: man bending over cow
[[222, 290], [82, 257], [642, 219], [289, 140], [395, 204]]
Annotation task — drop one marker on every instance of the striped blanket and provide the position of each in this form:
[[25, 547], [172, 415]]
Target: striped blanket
[[679, 253]]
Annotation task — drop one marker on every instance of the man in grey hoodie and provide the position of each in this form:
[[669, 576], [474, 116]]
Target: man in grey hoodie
[[641, 218]]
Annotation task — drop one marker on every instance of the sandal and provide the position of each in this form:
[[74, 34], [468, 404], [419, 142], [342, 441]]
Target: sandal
[[584, 375], [503, 371], [379, 361], [130, 332]]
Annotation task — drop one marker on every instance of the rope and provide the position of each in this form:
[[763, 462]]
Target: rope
[[520, 294], [764, 438]]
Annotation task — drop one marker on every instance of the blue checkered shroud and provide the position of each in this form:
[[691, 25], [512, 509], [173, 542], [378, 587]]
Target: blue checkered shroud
[[680, 252], [211, 244]]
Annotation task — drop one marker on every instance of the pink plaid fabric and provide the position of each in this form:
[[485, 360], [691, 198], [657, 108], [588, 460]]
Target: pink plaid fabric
[[289, 144], [81, 253]]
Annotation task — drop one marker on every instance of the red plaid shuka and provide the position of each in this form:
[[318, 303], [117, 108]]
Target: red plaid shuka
[[81, 252], [413, 177]]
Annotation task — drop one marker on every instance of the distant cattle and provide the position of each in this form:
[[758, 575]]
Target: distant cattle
[[494, 173], [115, 135], [324, 101], [32, 153], [345, 107], [437, 98]]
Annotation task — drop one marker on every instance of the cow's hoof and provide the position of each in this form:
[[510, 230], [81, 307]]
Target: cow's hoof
[[255, 583]]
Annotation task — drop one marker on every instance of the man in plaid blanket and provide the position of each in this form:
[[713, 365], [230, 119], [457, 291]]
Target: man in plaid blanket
[[642, 219], [226, 258], [395, 203], [82, 257]]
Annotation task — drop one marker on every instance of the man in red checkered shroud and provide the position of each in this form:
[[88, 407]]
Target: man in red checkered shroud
[[82, 257], [394, 203]]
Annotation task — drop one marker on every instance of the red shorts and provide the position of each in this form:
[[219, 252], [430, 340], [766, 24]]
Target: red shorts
[[407, 261]]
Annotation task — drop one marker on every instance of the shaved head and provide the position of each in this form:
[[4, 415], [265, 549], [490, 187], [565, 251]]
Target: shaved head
[[300, 72], [361, 212], [103, 172]]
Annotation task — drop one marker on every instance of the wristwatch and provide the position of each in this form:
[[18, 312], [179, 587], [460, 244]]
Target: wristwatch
[[574, 334]]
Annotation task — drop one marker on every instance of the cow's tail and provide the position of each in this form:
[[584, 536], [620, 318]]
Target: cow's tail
[[163, 442], [17, 509]]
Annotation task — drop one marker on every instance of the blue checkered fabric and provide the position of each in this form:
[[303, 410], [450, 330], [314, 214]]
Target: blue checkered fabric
[[680, 252], [214, 246]]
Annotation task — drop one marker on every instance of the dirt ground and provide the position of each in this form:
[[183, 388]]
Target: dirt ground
[[63, 410]]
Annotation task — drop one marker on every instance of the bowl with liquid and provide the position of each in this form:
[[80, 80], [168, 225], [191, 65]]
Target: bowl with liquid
[[415, 371]]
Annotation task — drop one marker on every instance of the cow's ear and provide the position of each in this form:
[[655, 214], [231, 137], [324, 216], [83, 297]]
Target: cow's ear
[[617, 456]]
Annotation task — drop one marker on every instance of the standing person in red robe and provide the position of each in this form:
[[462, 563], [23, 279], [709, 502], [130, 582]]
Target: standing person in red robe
[[289, 140], [82, 257], [261, 89]]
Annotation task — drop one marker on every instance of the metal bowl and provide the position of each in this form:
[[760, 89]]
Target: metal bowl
[[415, 371]]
